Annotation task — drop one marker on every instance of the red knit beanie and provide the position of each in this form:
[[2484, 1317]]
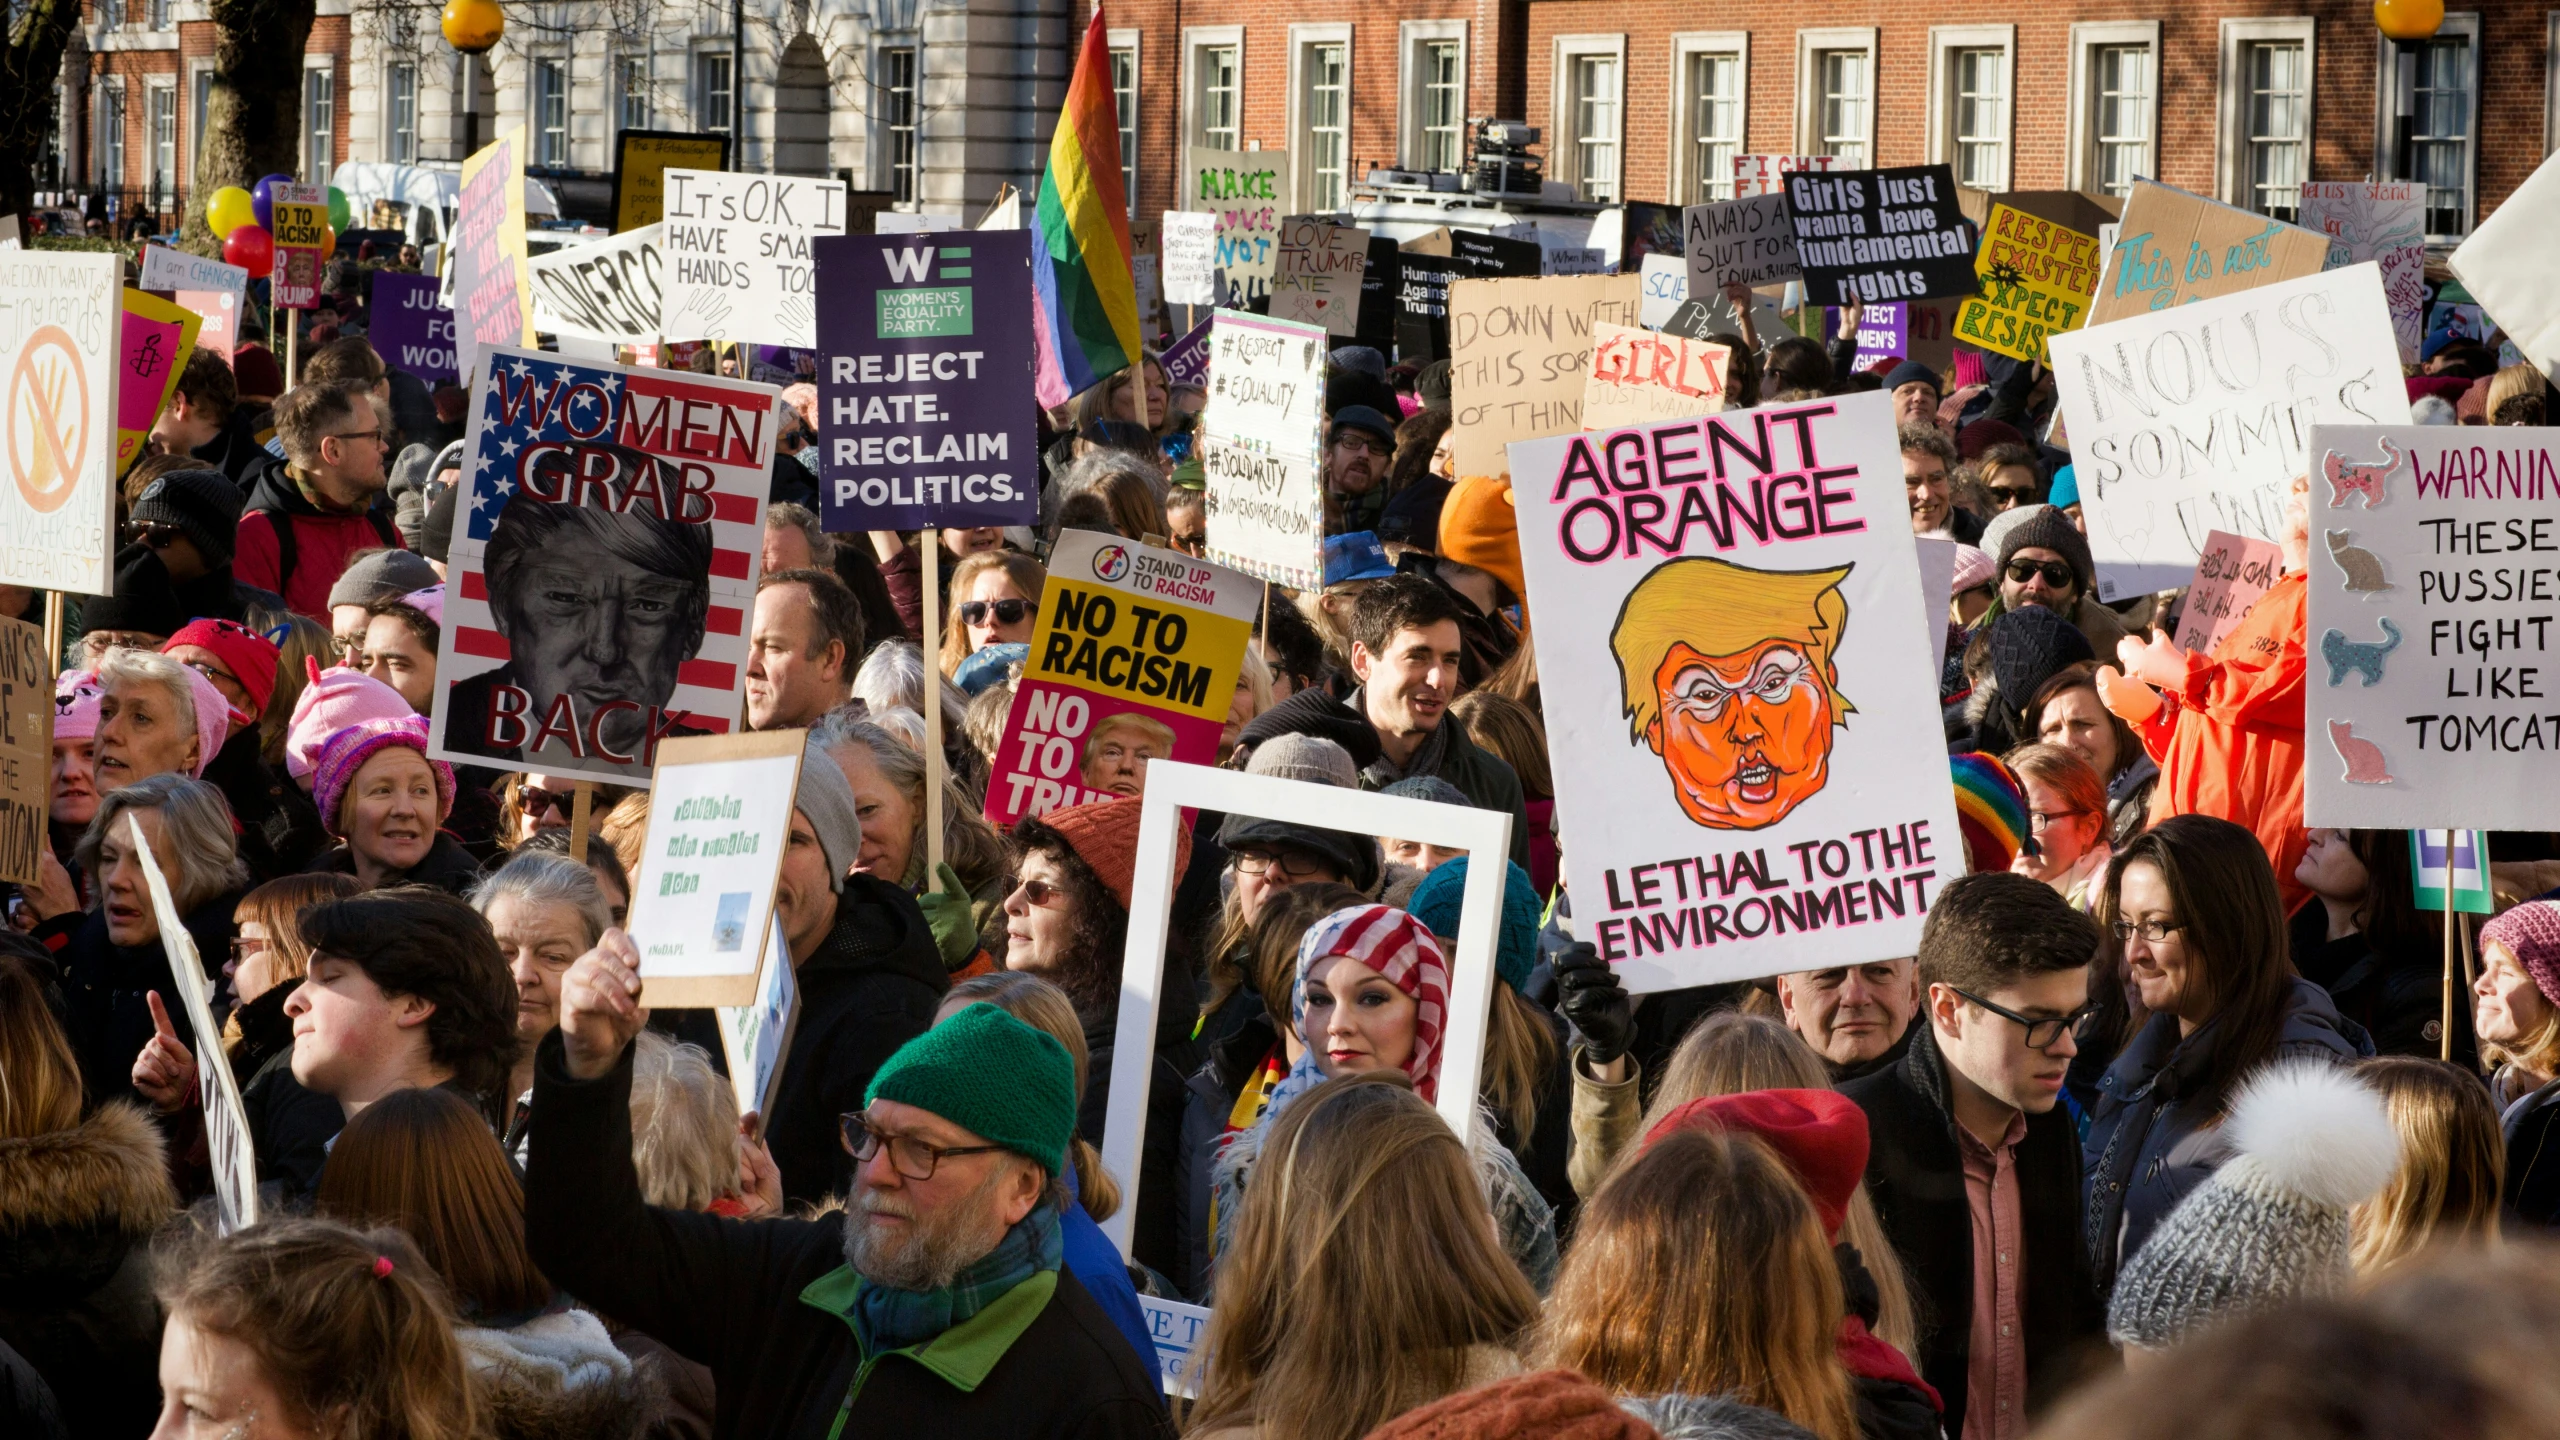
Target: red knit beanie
[[1821, 1134], [1104, 835], [1544, 1405]]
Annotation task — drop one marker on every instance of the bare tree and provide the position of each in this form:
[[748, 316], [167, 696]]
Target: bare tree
[[252, 117], [30, 72]]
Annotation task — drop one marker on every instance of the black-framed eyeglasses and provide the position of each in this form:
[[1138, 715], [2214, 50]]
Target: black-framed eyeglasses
[[154, 533], [2006, 496], [2151, 931], [2041, 1032], [1296, 867], [374, 435], [911, 1157], [1007, 612], [2039, 821], [2055, 573], [534, 799]]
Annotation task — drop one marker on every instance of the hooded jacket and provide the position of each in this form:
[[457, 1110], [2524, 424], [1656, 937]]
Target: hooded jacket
[[77, 1210], [303, 564], [559, 1376], [446, 866]]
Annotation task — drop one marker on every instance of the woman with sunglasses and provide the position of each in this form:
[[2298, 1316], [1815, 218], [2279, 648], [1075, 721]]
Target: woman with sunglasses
[[2193, 908], [995, 598]]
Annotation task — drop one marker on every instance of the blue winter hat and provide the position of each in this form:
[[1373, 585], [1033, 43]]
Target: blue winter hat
[[1515, 953], [1356, 556], [2066, 489], [988, 666], [1912, 372]]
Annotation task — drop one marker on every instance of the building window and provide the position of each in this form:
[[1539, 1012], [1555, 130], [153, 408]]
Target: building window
[[711, 91], [551, 112], [1595, 128], [159, 14], [199, 100], [1844, 100], [2440, 131], [632, 78], [110, 13], [1442, 133], [1219, 107], [1715, 124], [898, 118], [1981, 115], [2279, 128], [319, 125], [163, 120], [2120, 119], [1327, 108], [111, 134], [402, 118], [1124, 113]]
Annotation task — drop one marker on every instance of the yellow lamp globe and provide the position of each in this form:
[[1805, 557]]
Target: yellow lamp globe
[[2408, 19], [472, 26]]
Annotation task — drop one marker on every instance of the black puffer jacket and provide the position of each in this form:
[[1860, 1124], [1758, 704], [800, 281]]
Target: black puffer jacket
[[77, 1210], [103, 985], [2394, 990], [446, 866]]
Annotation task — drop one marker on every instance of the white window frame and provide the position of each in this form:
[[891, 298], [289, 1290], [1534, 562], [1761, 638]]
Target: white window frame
[[109, 149], [1684, 187], [199, 98], [1412, 36], [1564, 143], [316, 170], [620, 79], [2231, 98], [391, 73], [536, 128], [1195, 40], [2550, 81], [1302, 170], [173, 180], [1134, 42], [697, 84], [1944, 42], [2080, 159], [911, 44], [1811, 46], [2467, 25]]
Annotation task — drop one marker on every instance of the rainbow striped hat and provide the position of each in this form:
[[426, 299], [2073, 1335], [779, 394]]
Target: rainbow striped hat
[[1991, 809]]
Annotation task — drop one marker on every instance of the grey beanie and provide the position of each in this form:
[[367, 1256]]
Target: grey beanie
[[827, 799], [1296, 756], [2041, 527], [1428, 787], [383, 575], [2311, 1142]]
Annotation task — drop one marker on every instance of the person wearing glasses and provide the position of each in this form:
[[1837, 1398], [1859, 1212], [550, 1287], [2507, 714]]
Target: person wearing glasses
[[995, 600], [2043, 560], [1359, 447], [2067, 813], [323, 502], [1973, 1166], [2193, 905], [372, 576]]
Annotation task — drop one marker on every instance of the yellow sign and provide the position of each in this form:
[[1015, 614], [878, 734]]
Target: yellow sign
[[2037, 278], [151, 348], [642, 157]]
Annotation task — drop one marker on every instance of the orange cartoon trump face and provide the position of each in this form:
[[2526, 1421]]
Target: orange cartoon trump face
[[1728, 676]]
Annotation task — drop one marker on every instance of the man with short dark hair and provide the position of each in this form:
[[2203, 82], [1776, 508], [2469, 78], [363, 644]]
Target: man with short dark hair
[[1359, 445], [793, 539], [204, 418], [802, 648], [407, 988], [322, 502], [1974, 1169], [400, 642]]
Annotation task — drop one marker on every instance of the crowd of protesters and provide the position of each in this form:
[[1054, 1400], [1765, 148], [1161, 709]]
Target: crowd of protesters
[[2165, 1060]]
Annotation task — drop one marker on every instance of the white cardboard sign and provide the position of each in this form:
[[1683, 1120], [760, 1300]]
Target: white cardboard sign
[[609, 291], [1190, 240], [1666, 284], [2196, 418], [756, 1038], [1640, 376], [720, 810], [1318, 280], [1748, 241], [1262, 440], [2511, 267], [1740, 642], [737, 248], [167, 269], [226, 1120], [60, 314], [2383, 221]]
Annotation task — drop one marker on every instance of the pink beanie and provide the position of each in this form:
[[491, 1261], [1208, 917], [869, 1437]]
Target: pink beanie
[[2532, 931], [75, 705], [335, 699], [213, 717], [346, 752], [428, 602]]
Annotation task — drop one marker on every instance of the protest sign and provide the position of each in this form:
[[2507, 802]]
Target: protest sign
[[154, 339], [1242, 189], [1378, 287], [1884, 331], [410, 330], [608, 291], [1518, 352], [2430, 633], [2172, 248], [2510, 266], [1739, 242], [9, 238], [492, 299], [226, 1120], [1704, 317], [60, 314], [220, 311], [1186, 361], [1494, 257], [301, 229], [1261, 447], [905, 222], [2449, 870], [1134, 661], [1734, 636], [1174, 792], [167, 269], [26, 748], [1424, 269], [737, 251], [755, 1038], [927, 395], [1938, 582], [2036, 278], [1665, 281], [2384, 222], [1317, 281], [2197, 418], [719, 819], [604, 561], [1646, 230], [1767, 174], [641, 159], [1640, 376], [2231, 574], [1190, 257], [1881, 234]]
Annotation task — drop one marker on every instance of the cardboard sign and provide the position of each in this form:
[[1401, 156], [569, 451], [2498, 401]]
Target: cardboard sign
[[1640, 376], [2384, 222], [410, 329], [756, 1038], [152, 345], [1186, 361], [1242, 189], [1262, 446], [2449, 870], [1740, 640], [2036, 277], [2231, 574], [26, 748], [1881, 234], [1884, 331], [1319, 276], [226, 1120], [929, 416], [720, 811], [301, 214], [2511, 267], [737, 249], [1665, 279], [603, 566], [2172, 248], [1767, 174], [1519, 350], [2196, 418], [490, 295], [2430, 692], [1134, 661], [1190, 257], [60, 317], [641, 159], [609, 291], [1740, 242], [220, 311]]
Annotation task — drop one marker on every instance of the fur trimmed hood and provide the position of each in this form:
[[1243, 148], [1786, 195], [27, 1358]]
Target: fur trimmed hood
[[560, 1377], [108, 1172]]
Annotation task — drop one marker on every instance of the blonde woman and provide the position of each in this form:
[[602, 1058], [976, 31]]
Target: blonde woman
[[2452, 1164], [2516, 1014], [995, 600]]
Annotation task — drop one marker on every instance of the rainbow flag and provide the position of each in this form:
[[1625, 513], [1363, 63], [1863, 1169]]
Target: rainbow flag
[[1082, 276]]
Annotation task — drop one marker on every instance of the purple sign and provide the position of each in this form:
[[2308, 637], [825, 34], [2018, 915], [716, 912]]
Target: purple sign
[[925, 396], [1884, 331], [409, 329], [1186, 361]]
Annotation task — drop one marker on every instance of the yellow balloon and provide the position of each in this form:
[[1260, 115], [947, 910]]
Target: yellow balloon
[[230, 209], [2408, 19]]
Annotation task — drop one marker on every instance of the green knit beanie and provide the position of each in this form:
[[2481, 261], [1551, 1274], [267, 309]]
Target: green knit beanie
[[985, 1071]]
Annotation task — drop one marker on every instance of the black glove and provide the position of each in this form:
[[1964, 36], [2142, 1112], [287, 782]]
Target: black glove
[[1590, 997]]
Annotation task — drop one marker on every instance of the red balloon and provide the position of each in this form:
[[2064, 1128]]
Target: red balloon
[[250, 248]]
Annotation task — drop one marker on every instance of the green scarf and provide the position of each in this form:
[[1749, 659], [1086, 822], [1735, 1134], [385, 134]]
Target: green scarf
[[887, 1318]]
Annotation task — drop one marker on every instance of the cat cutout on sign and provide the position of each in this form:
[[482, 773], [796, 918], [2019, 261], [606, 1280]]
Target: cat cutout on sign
[[2363, 568], [2365, 765], [2358, 657], [2349, 479]]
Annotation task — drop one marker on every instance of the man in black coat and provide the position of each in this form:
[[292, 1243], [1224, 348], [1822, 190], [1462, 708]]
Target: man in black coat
[[1974, 1170]]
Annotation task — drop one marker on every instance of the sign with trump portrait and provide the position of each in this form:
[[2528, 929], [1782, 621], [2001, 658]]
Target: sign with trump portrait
[[1739, 699], [603, 565]]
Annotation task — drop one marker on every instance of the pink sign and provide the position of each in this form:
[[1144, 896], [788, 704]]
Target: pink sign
[[221, 312], [2231, 574]]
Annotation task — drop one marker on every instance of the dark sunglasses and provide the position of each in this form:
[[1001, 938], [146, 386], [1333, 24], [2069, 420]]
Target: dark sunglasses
[[2005, 496], [153, 533], [1038, 892], [2055, 573], [1007, 612], [535, 800], [913, 1158]]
